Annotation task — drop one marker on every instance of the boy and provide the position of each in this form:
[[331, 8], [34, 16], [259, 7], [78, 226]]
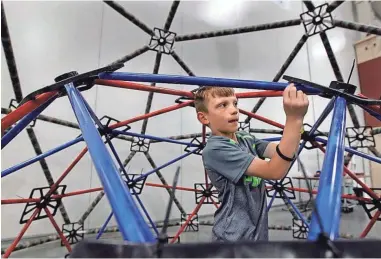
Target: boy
[[235, 161]]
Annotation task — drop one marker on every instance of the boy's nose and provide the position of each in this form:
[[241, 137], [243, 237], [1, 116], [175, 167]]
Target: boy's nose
[[234, 110]]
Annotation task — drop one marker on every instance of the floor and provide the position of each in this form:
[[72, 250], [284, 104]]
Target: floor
[[351, 224]]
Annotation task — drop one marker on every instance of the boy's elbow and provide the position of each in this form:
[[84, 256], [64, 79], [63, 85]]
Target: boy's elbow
[[278, 170], [274, 176], [278, 174], [274, 173]]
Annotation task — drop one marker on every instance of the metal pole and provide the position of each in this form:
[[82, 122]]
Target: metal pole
[[130, 221], [164, 165], [353, 151], [39, 157], [328, 201], [206, 81]]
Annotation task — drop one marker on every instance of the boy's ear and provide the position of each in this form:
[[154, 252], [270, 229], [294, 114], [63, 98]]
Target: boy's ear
[[201, 116]]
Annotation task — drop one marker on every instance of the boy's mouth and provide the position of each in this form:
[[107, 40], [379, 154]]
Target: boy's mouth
[[233, 120]]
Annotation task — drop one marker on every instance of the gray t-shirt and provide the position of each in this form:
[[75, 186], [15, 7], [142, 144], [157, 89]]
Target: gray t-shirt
[[242, 197]]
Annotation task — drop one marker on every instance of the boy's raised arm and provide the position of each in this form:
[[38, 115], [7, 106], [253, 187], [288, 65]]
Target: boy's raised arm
[[295, 105]]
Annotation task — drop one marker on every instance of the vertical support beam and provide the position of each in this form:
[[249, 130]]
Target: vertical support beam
[[150, 95], [326, 216], [171, 15], [337, 72], [130, 221], [9, 56]]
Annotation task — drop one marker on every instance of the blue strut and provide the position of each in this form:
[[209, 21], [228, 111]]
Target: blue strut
[[164, 165], [40, 157], [205, 81], [328, 200], [131, 223], [103, 228], [355, 152]]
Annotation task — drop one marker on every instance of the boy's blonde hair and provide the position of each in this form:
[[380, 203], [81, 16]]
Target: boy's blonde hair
[[202, 95]]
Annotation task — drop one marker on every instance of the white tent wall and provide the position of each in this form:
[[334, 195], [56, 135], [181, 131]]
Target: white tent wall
[[52, 38]]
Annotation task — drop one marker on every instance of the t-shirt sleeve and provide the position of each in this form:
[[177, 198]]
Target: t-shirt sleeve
[[260, 146], [227, 159]]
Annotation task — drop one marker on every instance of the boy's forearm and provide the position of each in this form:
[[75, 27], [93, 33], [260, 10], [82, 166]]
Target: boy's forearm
[[291, 137], [288, 145]]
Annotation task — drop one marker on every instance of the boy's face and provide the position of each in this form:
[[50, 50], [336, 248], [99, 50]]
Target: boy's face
[[222, 116]]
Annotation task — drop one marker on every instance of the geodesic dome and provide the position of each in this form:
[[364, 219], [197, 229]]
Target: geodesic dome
[[122, 186]]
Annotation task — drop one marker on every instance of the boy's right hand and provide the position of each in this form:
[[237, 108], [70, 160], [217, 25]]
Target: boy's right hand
[[295, 103]]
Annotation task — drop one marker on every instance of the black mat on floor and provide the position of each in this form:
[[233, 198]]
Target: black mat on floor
[[287, 249]]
